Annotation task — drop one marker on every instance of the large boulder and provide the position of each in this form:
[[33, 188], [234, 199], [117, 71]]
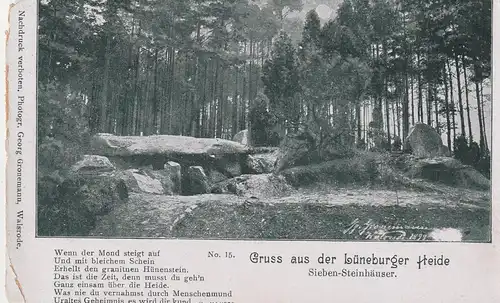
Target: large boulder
[[260, 186], [449, 171], [140, 181], [70, 204], [157, 151], [242, 137], [92, 164], [424, 141], [164, 145], [196, 181], [261, 163], [146, 180], [215, 176], [293, 150]]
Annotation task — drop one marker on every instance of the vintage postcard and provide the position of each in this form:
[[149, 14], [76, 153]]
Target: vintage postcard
[[203, 151]]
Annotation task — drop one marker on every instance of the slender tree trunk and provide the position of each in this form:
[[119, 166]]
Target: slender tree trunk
[[460, 104], [171, 91], [104, 92], [387, 114], [213, 110], [220, 107], [154, 126], [243, 124], [466, 87], [235, 103], [250, 79], [358, 122], [452, 101], [412, 103], [135, 105], [482, 144], [483, 120], [406, 114], [394, 119], [166, 92], [429, 104], [202, 131], [447, 107], [420, 101]]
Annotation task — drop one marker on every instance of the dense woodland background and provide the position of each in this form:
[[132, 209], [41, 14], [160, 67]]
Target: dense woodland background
[[210, 68]]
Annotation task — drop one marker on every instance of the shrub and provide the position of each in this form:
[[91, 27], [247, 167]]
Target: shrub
[[361, 168], [262, 123], [472, 155], [63, 134]]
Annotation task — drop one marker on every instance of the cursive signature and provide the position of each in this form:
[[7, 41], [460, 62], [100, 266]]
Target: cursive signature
[[370, 230]]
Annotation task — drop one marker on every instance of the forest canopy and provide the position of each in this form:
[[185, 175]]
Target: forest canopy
[[197, 67]]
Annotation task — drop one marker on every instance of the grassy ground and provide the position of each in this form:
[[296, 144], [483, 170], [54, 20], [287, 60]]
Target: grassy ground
[[321, 221], [318, 212], [380, 199]]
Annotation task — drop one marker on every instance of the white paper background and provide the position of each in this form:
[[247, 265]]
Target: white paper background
[[4, 5]]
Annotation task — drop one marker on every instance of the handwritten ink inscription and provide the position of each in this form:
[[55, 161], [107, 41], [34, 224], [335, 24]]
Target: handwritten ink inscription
[[371, 230]]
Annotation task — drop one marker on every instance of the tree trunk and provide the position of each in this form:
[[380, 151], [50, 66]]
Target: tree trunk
[[154, 126], [387, 113], [436, 110], [204, 115], [220, 106], [447, 107], [358, 122], [466, 86], [429, 104], [406, 114], [420, 101], [483, 120], [482, 144], [104, 93], [171, 92], [412, 103], [452, 101], [235, 104], [460, 104]]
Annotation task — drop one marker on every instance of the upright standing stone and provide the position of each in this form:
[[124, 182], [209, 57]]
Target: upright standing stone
[[174, 169], [197, 181]]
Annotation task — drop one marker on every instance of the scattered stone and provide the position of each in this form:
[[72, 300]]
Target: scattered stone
[[93, 164], [449, 171], [256, 186]]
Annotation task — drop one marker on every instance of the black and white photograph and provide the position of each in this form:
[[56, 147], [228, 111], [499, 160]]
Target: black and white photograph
[[311, 120]]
